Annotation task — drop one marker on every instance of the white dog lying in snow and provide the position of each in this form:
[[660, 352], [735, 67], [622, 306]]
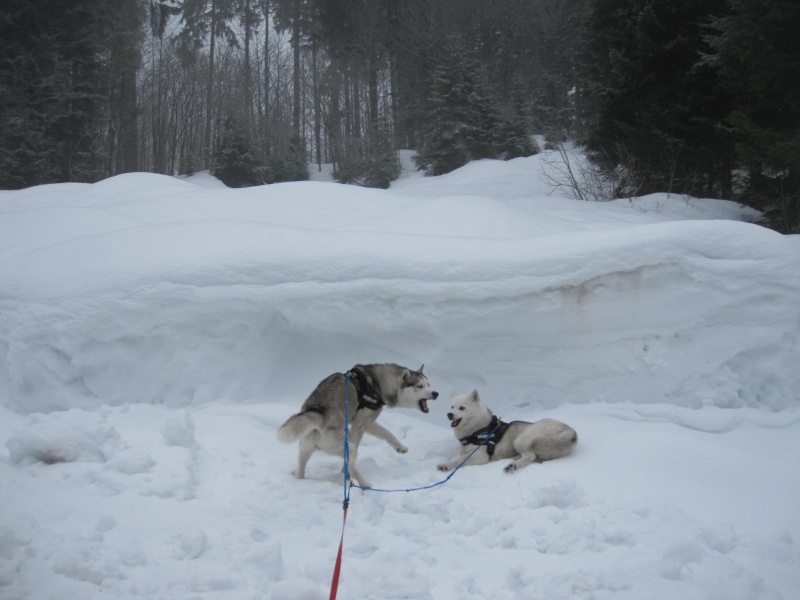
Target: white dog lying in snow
[[521, 441]]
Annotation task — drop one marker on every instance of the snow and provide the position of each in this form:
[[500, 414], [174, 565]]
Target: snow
[[156, 331]]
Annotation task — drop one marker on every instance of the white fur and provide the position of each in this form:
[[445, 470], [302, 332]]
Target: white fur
[[522, 442]]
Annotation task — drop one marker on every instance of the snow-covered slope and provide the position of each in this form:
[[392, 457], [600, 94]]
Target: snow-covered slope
[[154, 332]]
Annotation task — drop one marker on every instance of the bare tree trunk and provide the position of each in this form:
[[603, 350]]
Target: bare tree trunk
[[356, 105], [210, 85], [277, 106], [335, 126], [158, 118], [297, 66], [317, 107], [125, 59], [248, 88], [348, 104], [372, 74], [393, 99], [265, 124]]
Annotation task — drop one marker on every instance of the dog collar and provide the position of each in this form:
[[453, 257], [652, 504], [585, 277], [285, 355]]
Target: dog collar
[[489, 435], [368, 396]]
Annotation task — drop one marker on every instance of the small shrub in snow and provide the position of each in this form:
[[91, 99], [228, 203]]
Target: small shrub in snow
[[287, 162], [234, 160], [372, 162]]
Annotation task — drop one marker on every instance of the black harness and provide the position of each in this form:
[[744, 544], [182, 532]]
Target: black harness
[[489, 435], [368, 396]]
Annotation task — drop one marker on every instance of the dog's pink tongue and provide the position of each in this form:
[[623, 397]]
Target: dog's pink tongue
[[423, 405]]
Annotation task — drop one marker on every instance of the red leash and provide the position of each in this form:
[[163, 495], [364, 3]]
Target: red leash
[[338, 567]]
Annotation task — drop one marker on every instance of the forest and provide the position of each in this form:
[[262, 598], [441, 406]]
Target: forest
[[695, 97]]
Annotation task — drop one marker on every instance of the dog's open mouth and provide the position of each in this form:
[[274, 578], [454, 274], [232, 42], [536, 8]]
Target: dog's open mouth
[[423, 405], [455, 422]]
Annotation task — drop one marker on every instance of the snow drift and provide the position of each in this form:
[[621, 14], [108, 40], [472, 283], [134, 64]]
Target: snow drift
[[155, 332]]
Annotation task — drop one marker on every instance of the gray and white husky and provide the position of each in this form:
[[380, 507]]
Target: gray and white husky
[[474, 424], [320, 423]]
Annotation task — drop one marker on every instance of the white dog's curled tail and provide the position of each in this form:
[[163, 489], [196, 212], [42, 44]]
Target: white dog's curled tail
[[298, 426]]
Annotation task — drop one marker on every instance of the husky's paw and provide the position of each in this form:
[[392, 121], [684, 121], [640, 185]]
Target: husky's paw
[[510, 468], [401, 449], [443, 467]]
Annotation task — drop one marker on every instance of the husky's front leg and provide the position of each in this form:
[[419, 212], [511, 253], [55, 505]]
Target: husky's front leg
[[481, 457], [384, 434]]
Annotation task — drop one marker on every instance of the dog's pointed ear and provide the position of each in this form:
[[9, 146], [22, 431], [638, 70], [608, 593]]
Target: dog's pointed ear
[[453, 393], [422, 367], [406, 374], [474, 396]]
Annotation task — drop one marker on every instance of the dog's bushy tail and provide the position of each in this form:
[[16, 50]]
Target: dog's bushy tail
[[298, 426]]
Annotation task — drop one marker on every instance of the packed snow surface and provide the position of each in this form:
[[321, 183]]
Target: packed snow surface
[[155, 332]]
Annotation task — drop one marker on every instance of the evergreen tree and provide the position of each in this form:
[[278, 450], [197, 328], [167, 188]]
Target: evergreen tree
[[383, 166], [51, 92], [453, 114], [654, 113], [756, 48], [234, 162], [371, 162], [465, 122], [288, 161]]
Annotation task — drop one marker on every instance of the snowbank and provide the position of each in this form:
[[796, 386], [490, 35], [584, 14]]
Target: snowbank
[[155, 332]]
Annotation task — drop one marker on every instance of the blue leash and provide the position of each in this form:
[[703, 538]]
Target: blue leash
[[346, 470], [338, 564], [347, 456]]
